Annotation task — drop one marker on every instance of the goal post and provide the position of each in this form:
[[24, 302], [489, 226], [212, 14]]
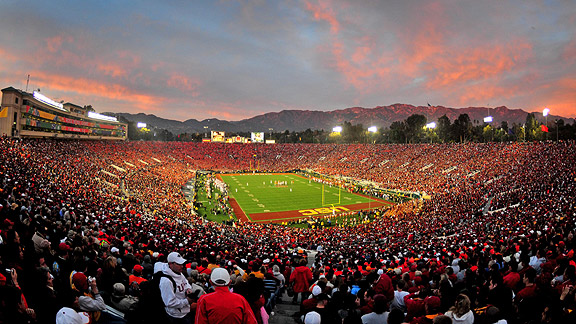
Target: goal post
[[326, 202]]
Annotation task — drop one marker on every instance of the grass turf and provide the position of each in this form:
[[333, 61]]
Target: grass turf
[[257, 193]]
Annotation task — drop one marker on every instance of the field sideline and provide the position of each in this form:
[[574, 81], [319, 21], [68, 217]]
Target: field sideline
[[258, 197]]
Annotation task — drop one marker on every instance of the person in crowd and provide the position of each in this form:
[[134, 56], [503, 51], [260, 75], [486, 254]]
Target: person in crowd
[[380, 311], [381, 284], [175, 290], [461, 313], [45, 299], [89, 298], [122, 302], [526, 193], [222, 305], [15, 309], [300, 278], [432, 307]]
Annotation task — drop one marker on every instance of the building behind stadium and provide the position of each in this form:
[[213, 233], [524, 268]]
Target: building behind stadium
[[33, 115]]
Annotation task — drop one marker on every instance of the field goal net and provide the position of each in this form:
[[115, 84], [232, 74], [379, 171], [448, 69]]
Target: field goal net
[[331, 195]]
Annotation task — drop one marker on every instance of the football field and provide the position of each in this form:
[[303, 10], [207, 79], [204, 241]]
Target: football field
[[285, 196]]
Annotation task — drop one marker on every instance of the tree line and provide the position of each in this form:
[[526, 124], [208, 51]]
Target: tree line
[[412, 130]]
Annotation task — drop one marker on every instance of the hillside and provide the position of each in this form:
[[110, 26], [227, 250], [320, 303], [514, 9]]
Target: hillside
[[299, 120]]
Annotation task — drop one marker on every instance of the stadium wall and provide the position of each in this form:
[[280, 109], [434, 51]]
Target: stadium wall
[[31, 115]]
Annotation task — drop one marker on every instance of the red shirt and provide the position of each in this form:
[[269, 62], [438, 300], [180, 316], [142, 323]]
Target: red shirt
[[512, 280], [527, 292], [136, 279], [223, 306], [384, 286]]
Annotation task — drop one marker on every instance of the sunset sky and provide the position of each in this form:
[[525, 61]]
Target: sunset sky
[[237, 59]]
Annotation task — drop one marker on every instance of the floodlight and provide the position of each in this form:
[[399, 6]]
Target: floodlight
[[101, 117], [545, 112], [337, 129], [488, 119], [431, 125], [141, 125], [372, 129]]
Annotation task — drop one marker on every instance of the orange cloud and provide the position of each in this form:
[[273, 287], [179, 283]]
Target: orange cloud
[[422, 43], [323, 11], [362, 65], [98, 89], [54, 44], [562, 99], [484, 91], [113, 70], [476, 64], [184, 83], [7, 56]]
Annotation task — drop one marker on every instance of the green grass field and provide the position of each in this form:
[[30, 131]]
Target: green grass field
[[257, 193]]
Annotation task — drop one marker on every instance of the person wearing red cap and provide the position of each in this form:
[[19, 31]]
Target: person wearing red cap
[[432, 306], [89, 300], [136, 276]]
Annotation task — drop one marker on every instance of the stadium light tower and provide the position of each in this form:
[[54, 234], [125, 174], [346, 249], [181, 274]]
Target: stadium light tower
[[372, 130], [337, 129], [488, 119], [545, 114], [430, 126]]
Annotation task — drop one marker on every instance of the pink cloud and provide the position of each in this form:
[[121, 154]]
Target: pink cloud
[[184, 83], [476, 64], [324, 11], [362, 65], [97, 89], [113, 70], [54, 44], [562, 98]]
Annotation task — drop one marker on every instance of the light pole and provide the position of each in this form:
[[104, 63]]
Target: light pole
[[337, 131], [205, 131], [545, 114], [373, 130], [270, 129], [488, 120], [430, 127]]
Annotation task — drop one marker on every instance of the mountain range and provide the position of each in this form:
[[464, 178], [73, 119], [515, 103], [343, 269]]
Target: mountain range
[[299, 120]]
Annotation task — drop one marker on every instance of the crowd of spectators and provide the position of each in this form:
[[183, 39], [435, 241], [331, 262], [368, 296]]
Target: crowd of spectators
[[83, 225]]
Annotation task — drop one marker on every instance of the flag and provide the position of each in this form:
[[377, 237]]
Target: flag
[[544, 128], [4, 112]]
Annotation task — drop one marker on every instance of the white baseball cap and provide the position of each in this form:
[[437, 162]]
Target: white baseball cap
[[176, 258], [68, 316], [312, 318], [220, 277], [316, 290]]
